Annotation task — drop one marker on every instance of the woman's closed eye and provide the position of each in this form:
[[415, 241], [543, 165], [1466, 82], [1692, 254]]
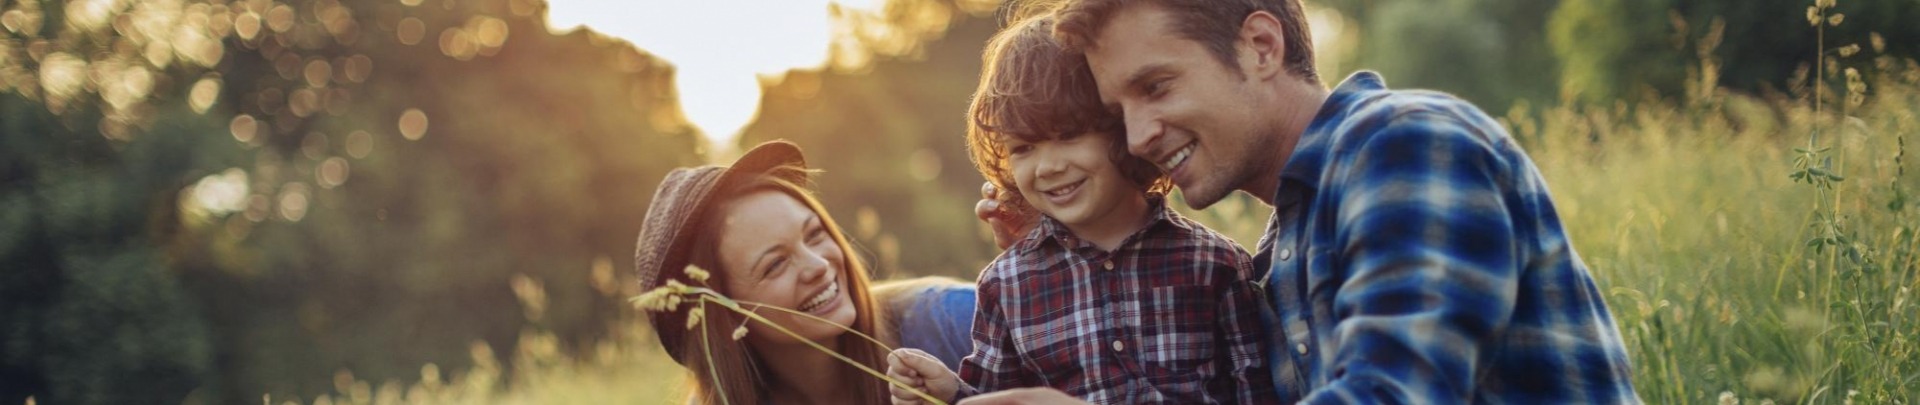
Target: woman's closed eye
[[774, 266]]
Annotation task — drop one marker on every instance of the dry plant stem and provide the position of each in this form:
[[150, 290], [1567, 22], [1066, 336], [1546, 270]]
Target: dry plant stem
[[706, 345], [711, 296]]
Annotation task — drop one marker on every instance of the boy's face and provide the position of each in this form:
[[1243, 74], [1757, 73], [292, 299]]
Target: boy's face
[[1071, 178]]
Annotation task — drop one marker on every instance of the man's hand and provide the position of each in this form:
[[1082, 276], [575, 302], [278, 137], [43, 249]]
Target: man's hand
[[1007, 225], [922, 372], [1026, 396]]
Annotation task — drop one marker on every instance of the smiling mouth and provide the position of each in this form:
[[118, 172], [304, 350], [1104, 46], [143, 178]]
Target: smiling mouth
[[1065, 190], [1179, 156], [822, 298]]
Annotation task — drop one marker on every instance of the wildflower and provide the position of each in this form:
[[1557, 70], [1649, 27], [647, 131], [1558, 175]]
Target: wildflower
[[1727, 398], [697, 274], [740, 332], [1835, 19], [1848, 50], [657, 300], [1850, 395], [1813, 15], [1879, 44]]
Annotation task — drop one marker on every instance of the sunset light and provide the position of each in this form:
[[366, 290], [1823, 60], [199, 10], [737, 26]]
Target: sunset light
[[718, 48]]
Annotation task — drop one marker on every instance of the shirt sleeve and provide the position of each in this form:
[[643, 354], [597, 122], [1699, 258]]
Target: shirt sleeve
[[1431, 269], [941, 323], [994, 364]]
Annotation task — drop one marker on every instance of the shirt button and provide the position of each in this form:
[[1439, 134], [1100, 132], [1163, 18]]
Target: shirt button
[[1108, 265], [1119, 347], [1286, 254], [1302, 348]]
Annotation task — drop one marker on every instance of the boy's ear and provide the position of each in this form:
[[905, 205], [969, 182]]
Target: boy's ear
[[1262, 45]]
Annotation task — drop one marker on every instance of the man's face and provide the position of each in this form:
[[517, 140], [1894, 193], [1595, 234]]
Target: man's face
[[1198, 119]]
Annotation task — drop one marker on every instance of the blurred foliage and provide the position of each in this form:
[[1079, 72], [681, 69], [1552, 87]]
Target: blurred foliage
[[891, 135], [237, 198], [1495, 52]]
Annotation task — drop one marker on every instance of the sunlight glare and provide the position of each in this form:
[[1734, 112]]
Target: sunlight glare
[[717, 48]]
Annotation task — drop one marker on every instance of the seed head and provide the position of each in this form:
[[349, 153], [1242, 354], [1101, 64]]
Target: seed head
[[740, 332], [697, 274]]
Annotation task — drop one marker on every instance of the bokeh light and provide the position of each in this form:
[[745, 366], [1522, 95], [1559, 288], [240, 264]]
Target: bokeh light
[[359, 144], [332, 173], [204, 93], [294, 200], [244, 128], [413, 124]]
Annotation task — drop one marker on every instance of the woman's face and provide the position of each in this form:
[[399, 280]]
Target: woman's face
[[776, 251]]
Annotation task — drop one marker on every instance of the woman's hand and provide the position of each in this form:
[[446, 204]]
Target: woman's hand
[[1007, 225], [922, 372]]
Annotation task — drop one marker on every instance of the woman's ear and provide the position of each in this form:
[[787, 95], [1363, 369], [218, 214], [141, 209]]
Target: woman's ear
[[1261, 45]]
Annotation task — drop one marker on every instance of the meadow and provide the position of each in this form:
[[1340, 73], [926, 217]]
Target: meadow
[[1753, 230], [1732, 279]]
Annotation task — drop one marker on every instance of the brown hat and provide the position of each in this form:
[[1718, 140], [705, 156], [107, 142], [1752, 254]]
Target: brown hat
[[672, 225]]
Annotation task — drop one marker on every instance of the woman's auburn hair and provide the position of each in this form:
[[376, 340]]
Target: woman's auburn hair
[[736, 371], [1034, 89]]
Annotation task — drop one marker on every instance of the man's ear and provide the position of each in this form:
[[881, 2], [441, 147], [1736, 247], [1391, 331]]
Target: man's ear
[[1262, 53]]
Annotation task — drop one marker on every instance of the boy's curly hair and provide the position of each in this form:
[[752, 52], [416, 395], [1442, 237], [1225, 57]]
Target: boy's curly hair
[[1032, 89]]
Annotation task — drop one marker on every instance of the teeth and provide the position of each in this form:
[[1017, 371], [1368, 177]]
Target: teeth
[[822, 298], [1063, 190], [1178, 158]]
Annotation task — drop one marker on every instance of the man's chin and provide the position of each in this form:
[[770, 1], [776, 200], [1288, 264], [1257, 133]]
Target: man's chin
[[1201, 197]]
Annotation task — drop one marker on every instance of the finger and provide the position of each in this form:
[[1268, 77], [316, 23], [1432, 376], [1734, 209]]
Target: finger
[[986, 208], [988, 190], [903, 393]]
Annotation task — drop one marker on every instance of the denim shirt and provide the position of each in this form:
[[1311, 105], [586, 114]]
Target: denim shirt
[[939, 321], [1414, 256]]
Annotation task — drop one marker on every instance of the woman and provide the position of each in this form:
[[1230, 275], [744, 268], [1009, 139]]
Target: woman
[[763, 238]]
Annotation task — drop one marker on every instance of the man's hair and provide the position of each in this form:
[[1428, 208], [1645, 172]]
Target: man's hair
[[1032, 89], [1213, 23]]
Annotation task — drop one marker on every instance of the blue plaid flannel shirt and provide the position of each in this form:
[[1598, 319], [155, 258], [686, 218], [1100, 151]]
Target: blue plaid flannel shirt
[[1414, 256]]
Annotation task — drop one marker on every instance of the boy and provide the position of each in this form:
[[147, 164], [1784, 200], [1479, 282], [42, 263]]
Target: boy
[[1113, 297]]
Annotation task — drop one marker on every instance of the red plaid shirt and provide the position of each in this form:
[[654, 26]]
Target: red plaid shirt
[[1169, 317]]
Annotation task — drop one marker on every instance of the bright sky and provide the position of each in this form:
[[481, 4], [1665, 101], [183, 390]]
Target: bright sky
[[717, 46]]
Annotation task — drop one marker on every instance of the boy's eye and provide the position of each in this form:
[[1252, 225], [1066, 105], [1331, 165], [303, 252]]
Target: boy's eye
[[1021, 149]]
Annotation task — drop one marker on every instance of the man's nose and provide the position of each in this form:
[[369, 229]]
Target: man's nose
[[1143, 131]]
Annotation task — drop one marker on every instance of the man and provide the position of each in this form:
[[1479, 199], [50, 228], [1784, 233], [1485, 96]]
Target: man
[[1413, 255]]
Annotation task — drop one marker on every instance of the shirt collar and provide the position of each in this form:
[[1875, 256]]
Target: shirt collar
[[1158, 213], [1304, 167]]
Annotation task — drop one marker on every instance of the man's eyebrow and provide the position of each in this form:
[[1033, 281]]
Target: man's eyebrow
[[1138, 79]]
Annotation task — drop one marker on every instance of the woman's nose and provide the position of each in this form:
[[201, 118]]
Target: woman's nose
[[815, 265]]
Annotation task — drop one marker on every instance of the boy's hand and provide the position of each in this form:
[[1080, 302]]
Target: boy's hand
[[1007, 226], [922, 372]]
